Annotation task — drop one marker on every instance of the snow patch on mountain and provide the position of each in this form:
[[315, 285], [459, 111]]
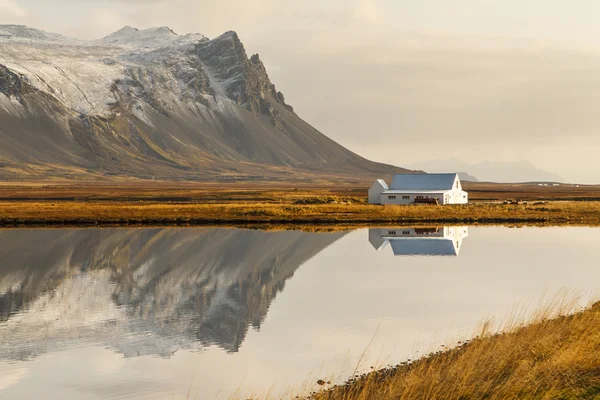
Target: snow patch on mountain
[[82, 74], [25, 32], [75, 76], [129, 67], [148, 38], [12, 106]]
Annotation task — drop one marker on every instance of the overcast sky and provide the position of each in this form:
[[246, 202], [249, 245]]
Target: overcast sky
[[401, 81]]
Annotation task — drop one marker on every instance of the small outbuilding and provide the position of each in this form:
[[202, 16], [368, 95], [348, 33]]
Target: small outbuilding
[[419, 188]]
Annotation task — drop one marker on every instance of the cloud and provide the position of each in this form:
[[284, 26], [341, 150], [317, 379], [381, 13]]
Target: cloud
[[369, 10], [12, 7], [348, 69], [427, 95], [208, 18], [107, 20], [400, 91]]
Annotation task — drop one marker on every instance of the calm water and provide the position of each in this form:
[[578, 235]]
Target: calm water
[[153, 313]]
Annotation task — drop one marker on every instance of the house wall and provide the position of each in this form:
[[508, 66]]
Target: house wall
[[399, 199], [375, 193], [459, 197], [412, 232]]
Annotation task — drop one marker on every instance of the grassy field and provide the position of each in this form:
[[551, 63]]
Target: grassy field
[[167, 204], [284, 208], [193, 192], [552, 358], [531, 192], [251, 213]]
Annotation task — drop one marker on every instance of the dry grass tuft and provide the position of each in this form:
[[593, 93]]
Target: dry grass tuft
[[555, 357]]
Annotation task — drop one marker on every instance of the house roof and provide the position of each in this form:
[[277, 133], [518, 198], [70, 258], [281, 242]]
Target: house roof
[[423, 247], [436, 182], [383, 184]]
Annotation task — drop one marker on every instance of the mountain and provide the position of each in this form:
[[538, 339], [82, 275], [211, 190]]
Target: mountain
[[492, 171], [142, 291], [466, 177], [151, 104]]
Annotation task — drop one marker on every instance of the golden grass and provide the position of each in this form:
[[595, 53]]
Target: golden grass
[[552, 358], [273, 192], [183, 204], [288, 212]]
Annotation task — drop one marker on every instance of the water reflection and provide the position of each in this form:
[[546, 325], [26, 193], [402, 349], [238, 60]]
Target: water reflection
[[142, 292], [79, 308], [439, 241]]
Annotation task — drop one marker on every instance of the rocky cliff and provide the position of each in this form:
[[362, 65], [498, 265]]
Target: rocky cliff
[[151, 104]]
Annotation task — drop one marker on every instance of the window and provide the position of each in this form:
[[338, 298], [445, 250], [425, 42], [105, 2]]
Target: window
[[392, 197], [392, 233], [405, 197], [406, 232]]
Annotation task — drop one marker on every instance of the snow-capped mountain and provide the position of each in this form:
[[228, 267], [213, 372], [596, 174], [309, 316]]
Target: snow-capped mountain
[[153, 104]]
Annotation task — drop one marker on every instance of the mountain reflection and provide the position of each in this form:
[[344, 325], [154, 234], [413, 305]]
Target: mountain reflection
[[142, 291], [439, 241]]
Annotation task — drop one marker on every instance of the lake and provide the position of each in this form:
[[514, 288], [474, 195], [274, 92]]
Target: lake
[[216, 313]]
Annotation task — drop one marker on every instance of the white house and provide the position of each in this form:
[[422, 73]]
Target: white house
[[446, 241], [419, 188]]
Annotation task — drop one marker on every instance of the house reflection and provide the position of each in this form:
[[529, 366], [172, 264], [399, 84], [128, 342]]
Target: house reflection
[[439, 241]]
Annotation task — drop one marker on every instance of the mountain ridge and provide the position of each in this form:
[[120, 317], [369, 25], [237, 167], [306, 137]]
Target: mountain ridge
[[151, 104], [492, 171]]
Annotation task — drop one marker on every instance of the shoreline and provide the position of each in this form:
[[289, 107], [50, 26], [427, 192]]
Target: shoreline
[[283, 224], [553, 356], [253, 214]]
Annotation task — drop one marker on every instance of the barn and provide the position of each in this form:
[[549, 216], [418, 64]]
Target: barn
[[417, 188]]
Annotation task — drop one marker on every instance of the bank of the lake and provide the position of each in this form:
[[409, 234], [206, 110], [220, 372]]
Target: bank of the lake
[[315, 211], [549, 359]]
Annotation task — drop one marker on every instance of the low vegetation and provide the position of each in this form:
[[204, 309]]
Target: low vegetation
[[552, 358], [142, 212], [109, 213], [331, 200], [81, 205]]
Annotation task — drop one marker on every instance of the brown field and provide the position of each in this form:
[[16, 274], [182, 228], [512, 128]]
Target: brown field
[[552, 358], [205, 192], [193, 204], [531, 191]]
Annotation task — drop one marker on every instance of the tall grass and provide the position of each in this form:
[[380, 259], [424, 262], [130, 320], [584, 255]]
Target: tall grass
[[555, 356]]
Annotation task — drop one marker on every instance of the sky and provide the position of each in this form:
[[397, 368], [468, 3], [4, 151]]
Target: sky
[[401, 81]]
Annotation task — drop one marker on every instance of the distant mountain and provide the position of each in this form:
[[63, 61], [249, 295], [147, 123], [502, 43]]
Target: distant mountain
[[466, 177], [153, 104], [491, 171]]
